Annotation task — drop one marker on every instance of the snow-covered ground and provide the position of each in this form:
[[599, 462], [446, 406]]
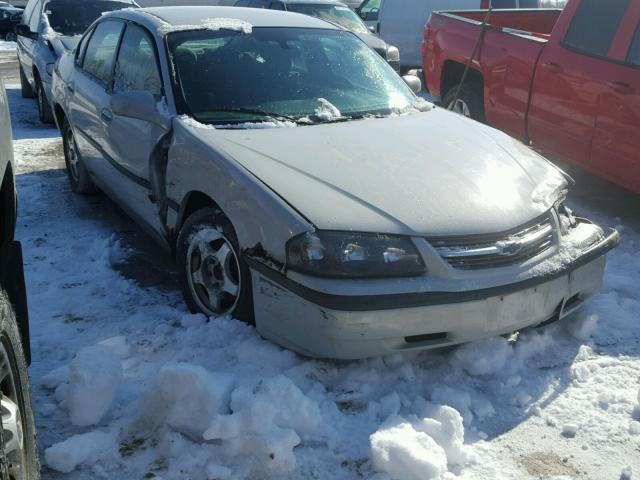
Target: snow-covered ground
[[128, 385], [7, 46]]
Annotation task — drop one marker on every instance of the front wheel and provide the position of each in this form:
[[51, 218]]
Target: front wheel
[[10, 37], [18, 451], [215, 279], [468, 103]]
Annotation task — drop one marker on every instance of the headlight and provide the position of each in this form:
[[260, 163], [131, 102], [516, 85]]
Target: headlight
[[354, 255], [393, 54]]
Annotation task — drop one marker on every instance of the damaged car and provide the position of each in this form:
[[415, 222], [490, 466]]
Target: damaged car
[[48, 29], [304, 187]]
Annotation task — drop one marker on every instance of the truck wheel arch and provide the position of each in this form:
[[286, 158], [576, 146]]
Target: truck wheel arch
[[452, 73]]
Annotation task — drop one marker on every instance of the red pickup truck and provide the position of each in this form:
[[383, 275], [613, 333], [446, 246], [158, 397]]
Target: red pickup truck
[[565, 81]]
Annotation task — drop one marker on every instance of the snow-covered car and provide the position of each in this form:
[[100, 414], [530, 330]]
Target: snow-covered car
[[335, 12], [302, 185], [18, 451], [9, 18], [49, 28]]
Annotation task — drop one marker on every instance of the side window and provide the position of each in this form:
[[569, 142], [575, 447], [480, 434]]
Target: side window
[[36, 16], [101, 50], [370, 10], [259, 3], [634, 52], [277, 6], [242, 3], [136, 67], [594, 25], [503, 3], [82, 47]]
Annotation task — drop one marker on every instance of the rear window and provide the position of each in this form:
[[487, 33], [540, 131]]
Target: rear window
[[594, 26]]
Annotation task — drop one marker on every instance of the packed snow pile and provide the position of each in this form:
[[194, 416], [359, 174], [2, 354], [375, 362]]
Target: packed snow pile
[[8, 46], [84, 448]]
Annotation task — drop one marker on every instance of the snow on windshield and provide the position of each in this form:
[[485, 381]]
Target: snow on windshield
[[213, 24]]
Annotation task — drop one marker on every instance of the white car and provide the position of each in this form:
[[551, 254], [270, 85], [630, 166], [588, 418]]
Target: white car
[[302, 185]]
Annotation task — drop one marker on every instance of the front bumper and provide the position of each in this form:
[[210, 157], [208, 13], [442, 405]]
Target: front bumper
[[323, 325]]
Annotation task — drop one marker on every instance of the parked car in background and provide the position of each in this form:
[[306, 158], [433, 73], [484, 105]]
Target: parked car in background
[[335, 12], [567, 81], [9, 18], [49, 28], [333, 207], [401, 22], [18, 451]]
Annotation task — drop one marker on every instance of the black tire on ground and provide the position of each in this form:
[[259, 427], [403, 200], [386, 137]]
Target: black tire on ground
[[25, 86], [10, 37], [15, 390], [44, 107], [207, 219], [470, 101], [76, 171]]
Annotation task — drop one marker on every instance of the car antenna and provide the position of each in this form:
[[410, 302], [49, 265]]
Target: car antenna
[[484, 26]]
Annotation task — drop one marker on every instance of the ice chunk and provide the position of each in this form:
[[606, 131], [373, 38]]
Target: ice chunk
[[118, 346], [87, 447], [569, 430], [193, 397], [56, 377], [327, 111], [404, 453], [444, 425], [95, 375]]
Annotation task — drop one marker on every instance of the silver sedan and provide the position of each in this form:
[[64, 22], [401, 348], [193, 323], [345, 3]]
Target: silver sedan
[[302, 185]]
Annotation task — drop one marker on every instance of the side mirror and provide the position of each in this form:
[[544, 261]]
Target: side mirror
[[139, 105], [23, 30], [373, 29], [415, 84]]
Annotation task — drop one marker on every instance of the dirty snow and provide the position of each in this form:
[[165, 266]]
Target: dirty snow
[[207, 400], [214, 24], [8, 46]]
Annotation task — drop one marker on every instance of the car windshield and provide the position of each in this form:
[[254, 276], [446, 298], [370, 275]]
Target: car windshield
[[309, 75], [338, 14], [73, 17]]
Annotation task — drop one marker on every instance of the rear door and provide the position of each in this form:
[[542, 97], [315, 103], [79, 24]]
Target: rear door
[[90, 98], [571, 74], [615, 152]]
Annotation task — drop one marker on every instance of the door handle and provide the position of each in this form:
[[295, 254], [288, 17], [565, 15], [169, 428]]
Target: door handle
[[106, 115], [553, 67], [622, 88]]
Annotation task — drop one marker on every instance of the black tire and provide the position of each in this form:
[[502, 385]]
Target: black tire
[[470, 96], [10, 37], [25, 86], [45, 113], [77, 173], [15, 391], [211, 219]]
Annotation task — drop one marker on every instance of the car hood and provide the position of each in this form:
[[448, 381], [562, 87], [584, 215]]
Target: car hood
[[431, 173]]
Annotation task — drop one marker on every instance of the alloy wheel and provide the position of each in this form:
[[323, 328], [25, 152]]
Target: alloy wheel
[[71, 152], [13, 450], [213, 272]]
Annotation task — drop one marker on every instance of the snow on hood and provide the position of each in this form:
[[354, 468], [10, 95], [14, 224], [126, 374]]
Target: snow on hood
[[209, 24], [432, 173]]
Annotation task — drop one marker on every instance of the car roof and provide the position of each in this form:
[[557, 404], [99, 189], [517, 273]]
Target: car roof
[[155, 17]]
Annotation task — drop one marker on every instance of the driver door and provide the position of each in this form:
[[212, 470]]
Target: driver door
[[130, 142]]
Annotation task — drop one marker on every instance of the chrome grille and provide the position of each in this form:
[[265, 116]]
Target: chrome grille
[[476, 252]]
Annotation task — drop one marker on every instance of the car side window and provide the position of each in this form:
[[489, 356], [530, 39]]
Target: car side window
[[594, 26], [634, 52], [101, 50], [34, 22], [370, 10], [277, 6], [82, 47], [137, 67], [259, 3], [242, 3]]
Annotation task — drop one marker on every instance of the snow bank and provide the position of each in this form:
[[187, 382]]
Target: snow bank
[[421, 448], [95, 375], [214, 24], [87, 447], [8, 46]]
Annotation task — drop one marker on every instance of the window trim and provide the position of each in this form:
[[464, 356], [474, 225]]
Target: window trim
[[152, 40], [586, 53]]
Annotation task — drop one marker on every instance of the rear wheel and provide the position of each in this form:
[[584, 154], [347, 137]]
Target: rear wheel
[[468, 103], [44, 108], [215, 279], [18, 452], [76, 171], [10, 37], [25, 86]]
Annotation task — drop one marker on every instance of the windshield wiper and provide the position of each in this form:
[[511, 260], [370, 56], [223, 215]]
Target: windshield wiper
[[258, 111]]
